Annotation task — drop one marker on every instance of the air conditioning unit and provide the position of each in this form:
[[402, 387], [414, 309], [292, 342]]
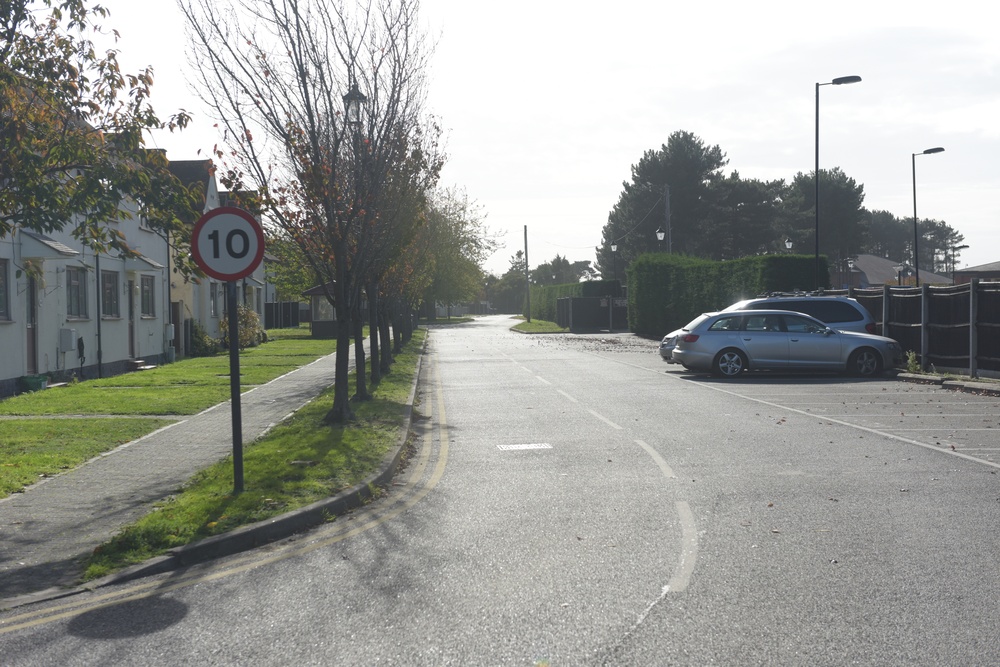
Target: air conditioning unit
[[67, 340]]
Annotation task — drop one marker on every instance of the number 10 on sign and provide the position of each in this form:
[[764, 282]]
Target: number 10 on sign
[[227, 243]]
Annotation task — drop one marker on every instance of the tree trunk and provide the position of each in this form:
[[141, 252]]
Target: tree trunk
[[361, 391], [373, 333], [341, 412], [385, 360]]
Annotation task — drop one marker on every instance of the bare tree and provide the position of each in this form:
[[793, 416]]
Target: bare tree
[[278, 73]]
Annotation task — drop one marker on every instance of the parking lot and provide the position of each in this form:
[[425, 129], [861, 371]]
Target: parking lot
[[960, 423]]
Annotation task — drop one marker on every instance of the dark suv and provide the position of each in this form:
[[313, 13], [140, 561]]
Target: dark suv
[[837, 312]]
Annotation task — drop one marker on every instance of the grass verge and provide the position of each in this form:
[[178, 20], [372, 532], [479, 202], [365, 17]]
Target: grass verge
[[299, 462], [32, 449], [539, 326]]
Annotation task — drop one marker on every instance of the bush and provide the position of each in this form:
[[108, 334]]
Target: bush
[[202, 345], [251, 333]]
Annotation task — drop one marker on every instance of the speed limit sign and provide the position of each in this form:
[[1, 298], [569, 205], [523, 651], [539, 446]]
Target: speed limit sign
[[227, 243]]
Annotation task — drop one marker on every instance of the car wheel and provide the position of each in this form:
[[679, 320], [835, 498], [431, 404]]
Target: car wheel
[[729, 363], [864, 362]]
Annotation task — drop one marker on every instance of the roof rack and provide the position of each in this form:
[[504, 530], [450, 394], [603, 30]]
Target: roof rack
[[799, 293]]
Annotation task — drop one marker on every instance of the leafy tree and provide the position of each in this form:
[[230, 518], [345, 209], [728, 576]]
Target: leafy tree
[[459, 245], [290, 273], [560, 271], [689, 168], [744, 217], [73, 129], [841, 232]]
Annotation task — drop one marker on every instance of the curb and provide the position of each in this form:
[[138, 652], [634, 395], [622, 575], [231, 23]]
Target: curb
[[968, 386]]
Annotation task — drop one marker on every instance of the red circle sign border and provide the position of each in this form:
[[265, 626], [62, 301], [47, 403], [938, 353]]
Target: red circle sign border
[[196, 251]]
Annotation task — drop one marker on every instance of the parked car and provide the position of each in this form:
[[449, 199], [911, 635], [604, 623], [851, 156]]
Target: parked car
[[731, 342], [667, 345], [838, 312]]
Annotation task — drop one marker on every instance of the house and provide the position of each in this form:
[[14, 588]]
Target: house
[[202, 301], [871, 270], [985, 272], [68, 310]]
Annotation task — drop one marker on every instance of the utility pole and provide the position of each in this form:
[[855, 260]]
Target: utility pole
[[527, 278]]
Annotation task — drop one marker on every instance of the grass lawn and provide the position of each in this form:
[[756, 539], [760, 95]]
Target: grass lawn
[[32, 449], [300, 461], [182, 388]]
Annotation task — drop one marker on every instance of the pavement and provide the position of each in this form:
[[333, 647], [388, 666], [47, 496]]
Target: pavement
[[48, 531]]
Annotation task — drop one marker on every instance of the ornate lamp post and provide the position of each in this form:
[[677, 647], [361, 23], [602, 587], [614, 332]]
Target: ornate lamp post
[[839, 81]]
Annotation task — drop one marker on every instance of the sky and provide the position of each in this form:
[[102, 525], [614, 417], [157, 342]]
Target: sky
[[547, 104]]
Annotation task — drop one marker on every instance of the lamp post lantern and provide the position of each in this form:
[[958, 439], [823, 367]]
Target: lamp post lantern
[[916, 234], [354, 100], [614, 261], [660, 234], [788, 244], [839, 81], [899, 274]]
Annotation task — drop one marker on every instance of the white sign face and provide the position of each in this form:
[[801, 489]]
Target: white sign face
[[227, 243]]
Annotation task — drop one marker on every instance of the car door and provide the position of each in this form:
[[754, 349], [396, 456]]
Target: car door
[[764, 341], [812, 344]]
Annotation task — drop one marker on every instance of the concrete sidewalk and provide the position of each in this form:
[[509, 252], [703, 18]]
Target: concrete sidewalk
[[47, 531]]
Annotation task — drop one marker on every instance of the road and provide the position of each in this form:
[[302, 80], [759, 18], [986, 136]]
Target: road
[[572, 500]]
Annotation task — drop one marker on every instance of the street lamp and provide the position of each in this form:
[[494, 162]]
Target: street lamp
[[839, 81], [916, 235], [614, 261], [660, 234], [354, 100], [899, 274], [788, 244], [954, 249]]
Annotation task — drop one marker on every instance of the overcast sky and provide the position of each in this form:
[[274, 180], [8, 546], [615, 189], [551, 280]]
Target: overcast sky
[[547, 104]]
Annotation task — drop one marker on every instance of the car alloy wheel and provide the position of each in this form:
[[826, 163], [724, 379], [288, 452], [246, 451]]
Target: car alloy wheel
[[865, 362], [729, 363]]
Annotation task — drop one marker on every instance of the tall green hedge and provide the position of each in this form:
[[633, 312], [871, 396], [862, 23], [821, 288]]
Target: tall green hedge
[[668, 291]]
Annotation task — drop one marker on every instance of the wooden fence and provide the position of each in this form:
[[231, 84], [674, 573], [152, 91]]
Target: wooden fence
[[949, 327]]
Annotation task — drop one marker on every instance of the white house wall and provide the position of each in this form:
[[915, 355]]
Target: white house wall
[[52, 314]]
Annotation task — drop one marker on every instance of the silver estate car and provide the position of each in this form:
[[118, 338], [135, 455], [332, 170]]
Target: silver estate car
[[729, 343]]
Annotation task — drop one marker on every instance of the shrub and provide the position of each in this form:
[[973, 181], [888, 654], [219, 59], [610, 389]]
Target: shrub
[[202, 345], [248, 322]]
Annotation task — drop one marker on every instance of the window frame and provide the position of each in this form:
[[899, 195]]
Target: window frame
[[76, 293], [147, 296], [110, 307], [4, 290]]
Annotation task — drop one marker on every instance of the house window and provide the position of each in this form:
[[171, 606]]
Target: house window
[[76, 291], [110, 294], [4, 294], [148, 307], [213, 298]]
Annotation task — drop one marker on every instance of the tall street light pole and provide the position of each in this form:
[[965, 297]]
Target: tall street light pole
[[916, 234], [839, 81]]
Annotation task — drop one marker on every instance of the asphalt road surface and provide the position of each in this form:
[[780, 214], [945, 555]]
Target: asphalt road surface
[[572, 500]]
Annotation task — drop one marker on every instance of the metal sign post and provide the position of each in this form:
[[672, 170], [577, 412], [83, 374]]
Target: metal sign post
[[234, 385], [228, 244]]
